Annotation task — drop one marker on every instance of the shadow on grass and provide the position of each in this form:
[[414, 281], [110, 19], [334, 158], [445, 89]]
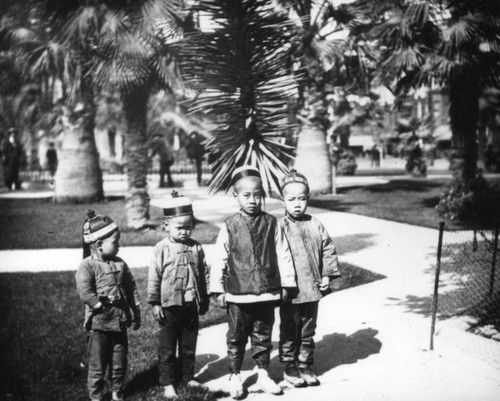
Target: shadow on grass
[[431, 202], [410, 185], [333, 203], [353, 243]]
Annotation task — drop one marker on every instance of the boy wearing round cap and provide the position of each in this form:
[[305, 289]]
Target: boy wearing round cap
[[177, 290], [252, 267], [316, 264], [107, 287]]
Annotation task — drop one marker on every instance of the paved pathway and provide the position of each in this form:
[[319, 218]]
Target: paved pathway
[[372, 340]]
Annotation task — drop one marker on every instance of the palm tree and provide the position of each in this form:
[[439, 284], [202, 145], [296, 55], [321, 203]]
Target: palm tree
[[329, 55], [239, 65], [53, 68], [21, 105], [120, 47], [455, 43]]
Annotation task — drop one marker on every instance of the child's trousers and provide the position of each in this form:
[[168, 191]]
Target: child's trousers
[[297, 329], [255, 320], [180, 329], [106, 349]]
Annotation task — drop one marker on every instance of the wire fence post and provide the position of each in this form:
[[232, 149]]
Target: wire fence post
[[436, 283], [494, 260]]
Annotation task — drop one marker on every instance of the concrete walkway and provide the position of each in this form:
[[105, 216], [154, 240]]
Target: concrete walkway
[[372, 340]]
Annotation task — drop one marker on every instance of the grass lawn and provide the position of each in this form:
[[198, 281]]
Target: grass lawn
[[411, 201], [40, 223], [43, 343]]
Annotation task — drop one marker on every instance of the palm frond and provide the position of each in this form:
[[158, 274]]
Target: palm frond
[[241, 69]]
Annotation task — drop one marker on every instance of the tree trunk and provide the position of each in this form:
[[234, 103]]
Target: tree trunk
[[464, 112], [3, 187], [136, 154], [465, 197], [313, 160], [79, 177]]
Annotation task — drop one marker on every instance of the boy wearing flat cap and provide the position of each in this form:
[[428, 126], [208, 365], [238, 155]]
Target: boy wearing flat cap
[[316, 264], [177, 290], [107, 287], [252, 267]]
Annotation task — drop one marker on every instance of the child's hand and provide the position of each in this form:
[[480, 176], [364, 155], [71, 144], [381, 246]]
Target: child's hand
[[221, 300], [158, 314], [325, 284], [137, 320]]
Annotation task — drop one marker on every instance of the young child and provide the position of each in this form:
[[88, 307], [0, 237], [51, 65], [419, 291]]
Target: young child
[[252, 267], [107, 287], [177, 290], [315, 260]]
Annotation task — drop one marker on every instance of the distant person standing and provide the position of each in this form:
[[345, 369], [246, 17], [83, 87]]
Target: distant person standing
[[161, 148], [195, 151], [375, 153], [12, 159], [52, 160]]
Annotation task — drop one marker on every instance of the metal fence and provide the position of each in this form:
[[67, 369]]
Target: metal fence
[[179, 172], [467, 277]]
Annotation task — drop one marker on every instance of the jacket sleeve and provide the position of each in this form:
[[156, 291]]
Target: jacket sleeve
[[285, 260], [218, 267], [203, 274], [132, 295], [330, 262], [154, 277], [85, 284]]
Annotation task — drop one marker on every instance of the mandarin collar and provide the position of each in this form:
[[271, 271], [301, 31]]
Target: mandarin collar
[[303, 218]]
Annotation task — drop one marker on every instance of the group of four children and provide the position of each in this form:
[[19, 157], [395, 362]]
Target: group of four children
[[260, 263]]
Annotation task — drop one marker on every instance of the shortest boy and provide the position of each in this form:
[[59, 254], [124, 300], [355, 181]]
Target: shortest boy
[[177, 291], [106, 286], [316, 264]]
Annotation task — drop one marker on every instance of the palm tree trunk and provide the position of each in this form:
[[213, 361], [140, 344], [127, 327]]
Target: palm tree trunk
[[464, 114], [79, 177], [312, 157], [136, 154], [460, 200], [313, 160]]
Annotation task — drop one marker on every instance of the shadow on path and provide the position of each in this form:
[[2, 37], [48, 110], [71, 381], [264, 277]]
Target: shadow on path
[[331, 351]]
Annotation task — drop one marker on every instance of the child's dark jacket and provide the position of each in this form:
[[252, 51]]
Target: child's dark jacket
[[314, 255], [111, 283]]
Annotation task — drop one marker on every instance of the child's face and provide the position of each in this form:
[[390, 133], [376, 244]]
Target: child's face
[[248, 192], [180, 228], [295, 198], [110, 245]]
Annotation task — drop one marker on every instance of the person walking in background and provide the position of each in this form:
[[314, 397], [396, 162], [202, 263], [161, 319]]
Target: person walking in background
[[51, 156], [375, 157], [160, 147], [195, 151], [107, 288], [177, 291], [316, 265], [252, 267], [13, 159]]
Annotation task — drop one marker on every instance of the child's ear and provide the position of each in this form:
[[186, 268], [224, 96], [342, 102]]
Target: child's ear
[[165, 224]]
